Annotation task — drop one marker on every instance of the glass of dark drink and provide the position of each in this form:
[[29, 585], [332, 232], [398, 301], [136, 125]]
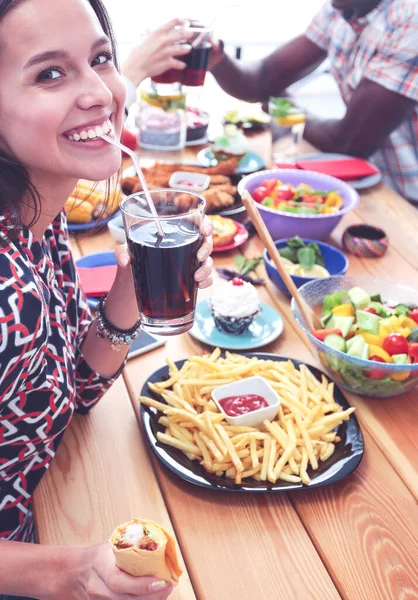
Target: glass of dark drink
[[198, 58], [196, 61], [163, 267]]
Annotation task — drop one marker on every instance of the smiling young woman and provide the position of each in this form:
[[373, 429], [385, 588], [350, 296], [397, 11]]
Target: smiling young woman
[[60, 89]]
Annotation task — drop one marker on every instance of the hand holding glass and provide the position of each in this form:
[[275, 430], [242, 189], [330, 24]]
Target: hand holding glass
[[163, 268]]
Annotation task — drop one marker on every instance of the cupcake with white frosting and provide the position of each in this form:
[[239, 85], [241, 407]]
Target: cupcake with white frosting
[[232, 144], [234, 306]]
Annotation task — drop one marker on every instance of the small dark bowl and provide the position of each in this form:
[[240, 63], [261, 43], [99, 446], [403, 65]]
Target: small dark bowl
[[199, 131], [335, 262]]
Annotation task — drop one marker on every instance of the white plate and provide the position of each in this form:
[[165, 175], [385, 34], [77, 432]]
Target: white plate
[[116, 229]]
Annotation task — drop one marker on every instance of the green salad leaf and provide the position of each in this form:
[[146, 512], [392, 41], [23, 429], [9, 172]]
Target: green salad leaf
[[306, 258], [244, 266], [319, 259], [307, 255], [330, 301], [295, 242]]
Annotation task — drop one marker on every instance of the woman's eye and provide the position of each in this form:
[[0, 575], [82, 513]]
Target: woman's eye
[[49, 75], [103, 58]]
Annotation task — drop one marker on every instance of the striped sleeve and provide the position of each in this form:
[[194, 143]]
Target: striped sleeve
[[395, 62]]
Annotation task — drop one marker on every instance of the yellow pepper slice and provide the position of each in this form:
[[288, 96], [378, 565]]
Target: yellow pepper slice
[[344, 310], [377, 351], [400, 376], [370, 338]]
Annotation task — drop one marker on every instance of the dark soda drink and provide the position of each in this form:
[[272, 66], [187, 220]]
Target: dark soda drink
[[163, 268], [196, 65], [170, 76]]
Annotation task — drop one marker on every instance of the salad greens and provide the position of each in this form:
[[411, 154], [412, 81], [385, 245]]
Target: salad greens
[[307, 255]]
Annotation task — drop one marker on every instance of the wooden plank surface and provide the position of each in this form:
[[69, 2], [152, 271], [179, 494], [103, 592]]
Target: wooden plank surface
[[353, 540], [99, 478]]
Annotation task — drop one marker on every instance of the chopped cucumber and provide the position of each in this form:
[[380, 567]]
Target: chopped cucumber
[[358, 347], [382, 311], [335, 341], [401, 310], [368, 322], [325, 318], [376, 298], [400, 359], [358, 297], [413, 336], [342, 323]]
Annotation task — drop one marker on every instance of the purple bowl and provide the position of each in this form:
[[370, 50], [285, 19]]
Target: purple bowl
[[286, 225]]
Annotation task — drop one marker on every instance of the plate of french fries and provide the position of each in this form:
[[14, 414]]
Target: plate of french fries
[[314, 440]]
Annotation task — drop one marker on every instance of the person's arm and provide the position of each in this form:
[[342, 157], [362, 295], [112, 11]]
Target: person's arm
[[71, 573], [258, 80], [121, 310], [372, 114]]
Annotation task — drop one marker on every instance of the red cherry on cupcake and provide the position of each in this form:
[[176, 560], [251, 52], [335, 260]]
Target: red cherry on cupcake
[[237, 281]]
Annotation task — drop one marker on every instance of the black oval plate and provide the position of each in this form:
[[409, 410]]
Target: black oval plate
[[347, 456]]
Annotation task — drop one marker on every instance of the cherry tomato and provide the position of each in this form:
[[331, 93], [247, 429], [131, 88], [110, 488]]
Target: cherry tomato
[[310, 199], [376, 372], [395, 343], [284, 193], [413, 352], [269, 184], [414, 315], [260, 193], [128, 139], [370, 310], [321, 334]]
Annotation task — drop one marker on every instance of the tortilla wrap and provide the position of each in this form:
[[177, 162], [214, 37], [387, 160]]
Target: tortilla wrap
[[161, 562]]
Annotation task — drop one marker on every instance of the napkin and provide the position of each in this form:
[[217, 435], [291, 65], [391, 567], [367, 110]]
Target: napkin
[[97, 281], [347, 169]]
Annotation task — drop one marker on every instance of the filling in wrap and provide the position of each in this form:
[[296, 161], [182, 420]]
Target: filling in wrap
[[137, 535]]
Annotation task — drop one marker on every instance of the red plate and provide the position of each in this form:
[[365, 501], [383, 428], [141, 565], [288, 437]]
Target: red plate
[[240, 237]]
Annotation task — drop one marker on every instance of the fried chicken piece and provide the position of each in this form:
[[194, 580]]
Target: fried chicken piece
[[226, 167], [228, 188], [216, 199], [184, 201], [219, 180]]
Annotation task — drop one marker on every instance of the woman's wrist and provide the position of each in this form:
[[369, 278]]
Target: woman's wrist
[[121, 308], [49, 570]]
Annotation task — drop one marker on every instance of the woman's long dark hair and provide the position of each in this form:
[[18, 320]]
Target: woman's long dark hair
[[16, 187]]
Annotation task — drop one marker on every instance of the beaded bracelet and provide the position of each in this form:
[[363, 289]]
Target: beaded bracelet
[[105, 329]]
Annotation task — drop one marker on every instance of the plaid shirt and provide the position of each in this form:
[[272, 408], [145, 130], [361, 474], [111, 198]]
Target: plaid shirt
[[381, 47]]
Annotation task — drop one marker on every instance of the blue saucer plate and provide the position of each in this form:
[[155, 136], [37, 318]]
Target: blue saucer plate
[[97, 259], [266, 327], [359, 184], [250, 163]]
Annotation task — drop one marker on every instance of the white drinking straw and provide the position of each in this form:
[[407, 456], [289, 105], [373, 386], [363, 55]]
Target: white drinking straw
[[135, 160]]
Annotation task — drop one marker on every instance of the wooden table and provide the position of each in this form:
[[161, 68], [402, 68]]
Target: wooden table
[[356, 540]]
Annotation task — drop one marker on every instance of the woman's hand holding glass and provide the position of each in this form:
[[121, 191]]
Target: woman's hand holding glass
[[202, 275]]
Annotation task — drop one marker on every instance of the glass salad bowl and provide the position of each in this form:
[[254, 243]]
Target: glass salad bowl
[[360, 376]]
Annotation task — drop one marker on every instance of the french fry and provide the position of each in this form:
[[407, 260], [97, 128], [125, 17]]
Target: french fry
[[302, 434], [172, 441], [229, 447]]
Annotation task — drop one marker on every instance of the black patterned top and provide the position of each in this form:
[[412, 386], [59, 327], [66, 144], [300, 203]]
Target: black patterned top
[[44, 377]]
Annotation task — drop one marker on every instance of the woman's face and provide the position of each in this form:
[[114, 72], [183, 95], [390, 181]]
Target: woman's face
[[58, 84]]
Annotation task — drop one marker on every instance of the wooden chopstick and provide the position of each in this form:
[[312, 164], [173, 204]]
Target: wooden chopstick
[[309, 316]]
